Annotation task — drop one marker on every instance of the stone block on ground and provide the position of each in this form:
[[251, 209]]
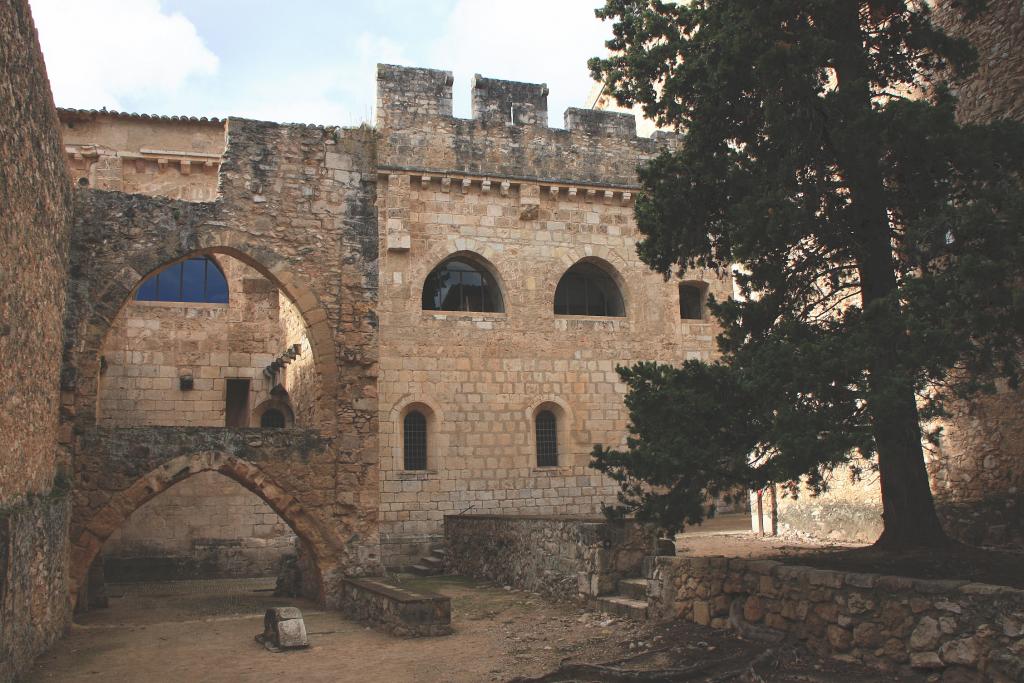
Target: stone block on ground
[[283, 629]]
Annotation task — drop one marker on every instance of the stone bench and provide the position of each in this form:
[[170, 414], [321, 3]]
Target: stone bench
[[397, 610]]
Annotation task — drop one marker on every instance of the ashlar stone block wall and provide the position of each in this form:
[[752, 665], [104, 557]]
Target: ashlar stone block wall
[[206, 526], [177, 157], [526, 202]]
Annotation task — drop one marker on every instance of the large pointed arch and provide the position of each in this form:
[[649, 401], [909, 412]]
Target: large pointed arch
[[102, 305], [319, 540]]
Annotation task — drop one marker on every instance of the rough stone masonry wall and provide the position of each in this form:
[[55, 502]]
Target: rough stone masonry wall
[[978, 470], [34, 223], [295, 203], [528, 202], [562, 557], [960, 629]]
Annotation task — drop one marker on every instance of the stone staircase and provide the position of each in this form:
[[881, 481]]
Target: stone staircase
[[630, 600], [432, 564]]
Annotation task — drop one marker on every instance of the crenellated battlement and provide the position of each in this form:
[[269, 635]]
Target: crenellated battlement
[[507, 136], [497, 101]]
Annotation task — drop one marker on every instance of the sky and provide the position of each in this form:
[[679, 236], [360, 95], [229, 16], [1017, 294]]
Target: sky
[[305, 61]]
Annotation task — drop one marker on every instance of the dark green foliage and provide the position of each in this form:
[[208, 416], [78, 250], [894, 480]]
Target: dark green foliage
[[878, 242]]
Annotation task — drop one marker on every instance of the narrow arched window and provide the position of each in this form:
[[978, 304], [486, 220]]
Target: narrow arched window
[[586, 289], [414, 441], [691, 302], [195, 280], [459, 285], [272, 419], [547, 439]]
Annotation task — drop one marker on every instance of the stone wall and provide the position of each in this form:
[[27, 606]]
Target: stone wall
[[295, 203], [34, 225], [34, 607], [207, 526], [176, 157], [396, 610], [153, 343], [299, 377], [526, 202], [889, 622], [561, 557]]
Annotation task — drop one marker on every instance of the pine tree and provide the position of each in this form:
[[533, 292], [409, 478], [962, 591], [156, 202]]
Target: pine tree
[[876, 244]]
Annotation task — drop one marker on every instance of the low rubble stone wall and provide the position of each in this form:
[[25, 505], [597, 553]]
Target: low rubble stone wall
[[567, 558], [396, 610], [967, 631]]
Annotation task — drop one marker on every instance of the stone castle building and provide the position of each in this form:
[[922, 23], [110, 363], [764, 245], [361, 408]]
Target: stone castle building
[[504, 286], [230, 329]]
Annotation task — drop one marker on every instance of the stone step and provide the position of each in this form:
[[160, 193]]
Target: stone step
[[635, 589], [623, 607], [432, 561], [423, 570], [439, 553]]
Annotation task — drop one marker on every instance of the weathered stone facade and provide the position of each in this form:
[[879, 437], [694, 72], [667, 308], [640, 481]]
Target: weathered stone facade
[[35, 215], [503, 188], [562, 557], [527, 202], [286, 193], [964, 630]]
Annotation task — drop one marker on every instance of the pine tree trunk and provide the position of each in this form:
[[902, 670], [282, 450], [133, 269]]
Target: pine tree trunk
[[908, 510]]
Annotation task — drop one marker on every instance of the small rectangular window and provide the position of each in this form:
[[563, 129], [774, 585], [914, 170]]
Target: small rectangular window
[[691, 302], [236, 407]]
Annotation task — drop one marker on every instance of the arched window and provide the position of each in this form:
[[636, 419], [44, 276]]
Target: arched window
[[691, 301], [547, 439], [414, 441], [459, 285], [272, 419], [195, 280], [586, 289]]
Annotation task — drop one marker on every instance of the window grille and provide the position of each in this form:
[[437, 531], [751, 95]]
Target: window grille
[[415, 441], [458, 285], [196, 280], [547, 439], [585, 289]]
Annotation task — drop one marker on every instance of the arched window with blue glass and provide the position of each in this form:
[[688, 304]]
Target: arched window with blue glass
[[194, 280]]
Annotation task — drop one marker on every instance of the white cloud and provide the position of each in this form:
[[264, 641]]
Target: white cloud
[[538, 41], [99, 52]]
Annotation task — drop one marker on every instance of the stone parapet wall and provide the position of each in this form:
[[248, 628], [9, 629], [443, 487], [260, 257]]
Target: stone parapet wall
[[509, 136], [396, 610], [34, 604], [960, 628], [561, 557]]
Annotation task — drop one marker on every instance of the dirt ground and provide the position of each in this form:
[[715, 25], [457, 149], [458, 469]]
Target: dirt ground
[[203, 631]]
